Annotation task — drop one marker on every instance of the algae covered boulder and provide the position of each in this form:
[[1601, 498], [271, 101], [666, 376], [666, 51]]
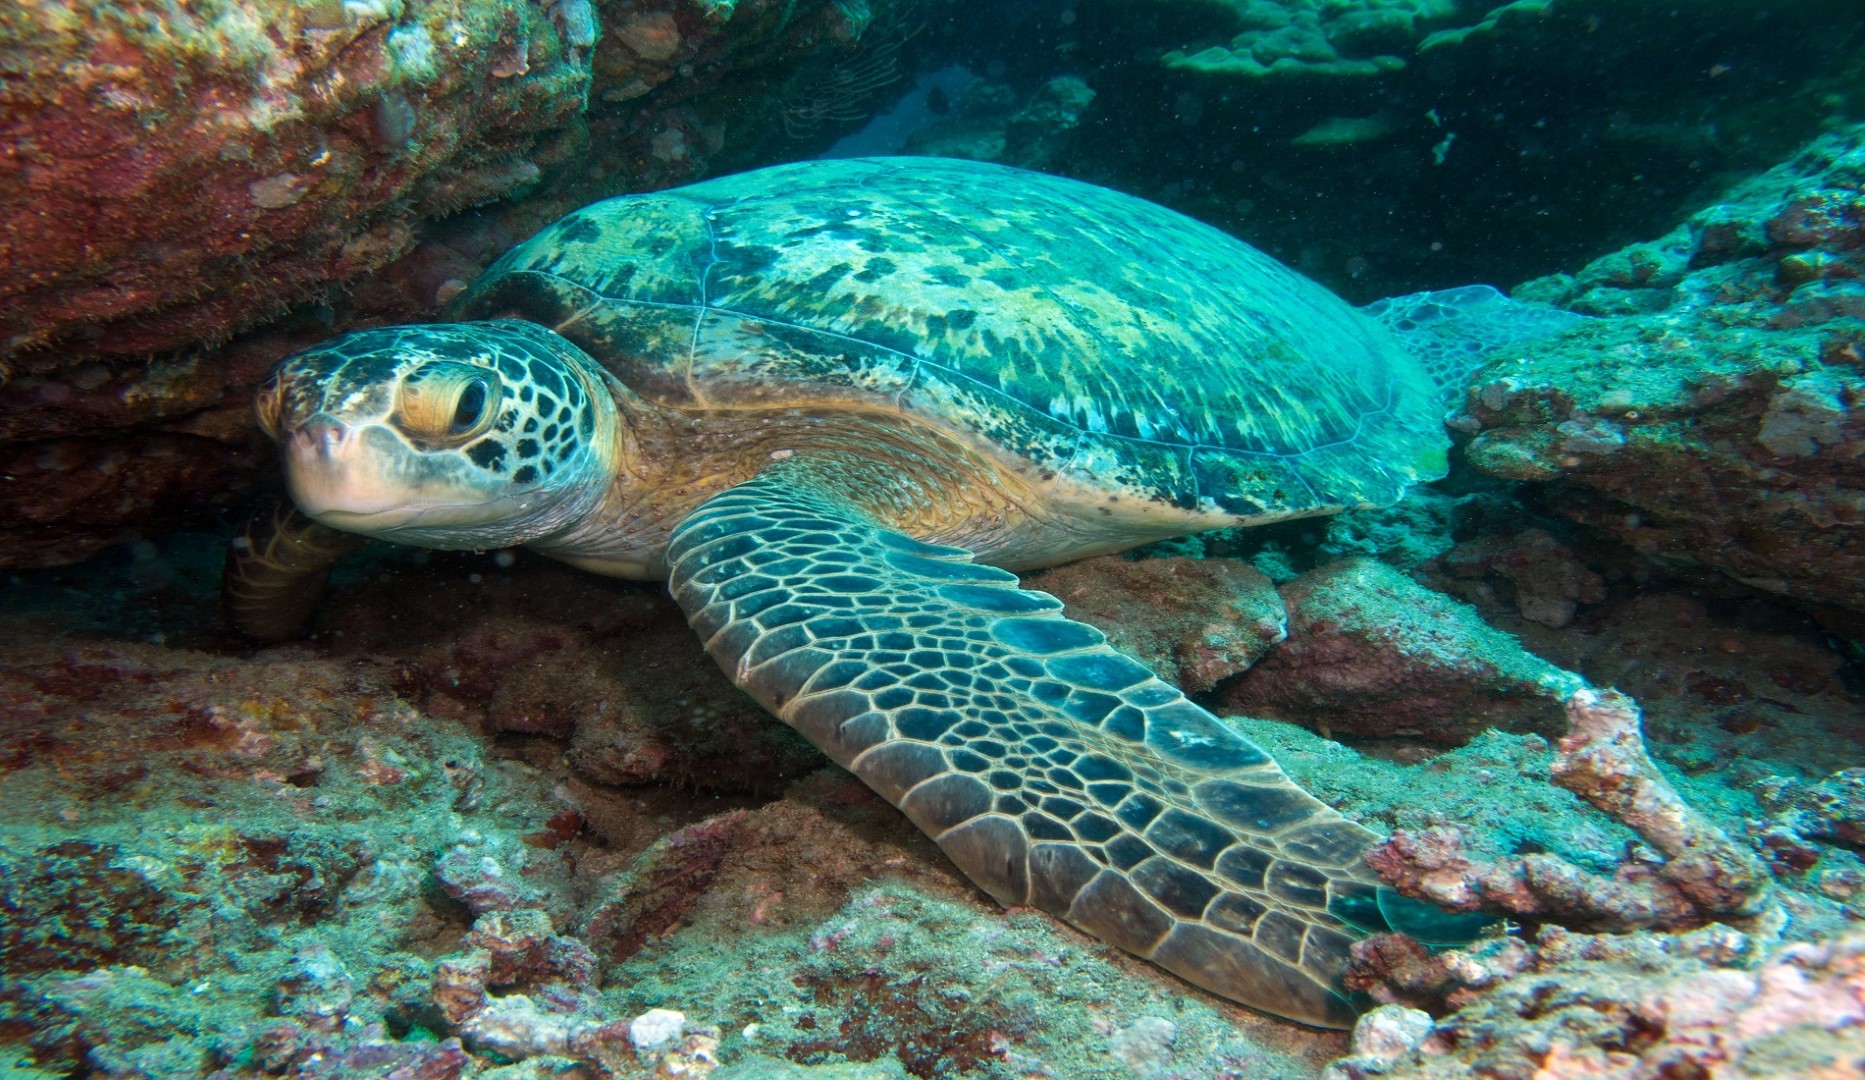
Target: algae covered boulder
[[1714, 416], [1194, 622], [181, 172], [297, 144]]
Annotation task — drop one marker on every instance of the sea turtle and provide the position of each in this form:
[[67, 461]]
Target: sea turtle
[[833, 404]]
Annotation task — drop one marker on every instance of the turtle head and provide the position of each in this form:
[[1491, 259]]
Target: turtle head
[[456, 435]]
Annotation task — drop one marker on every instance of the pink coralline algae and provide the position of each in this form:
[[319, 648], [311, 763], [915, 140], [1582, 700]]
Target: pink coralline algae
[[1696, 873], [1712, 1003], [303, 139]]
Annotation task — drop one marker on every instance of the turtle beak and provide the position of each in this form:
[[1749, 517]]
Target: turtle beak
[[364, 478], [332, 478]]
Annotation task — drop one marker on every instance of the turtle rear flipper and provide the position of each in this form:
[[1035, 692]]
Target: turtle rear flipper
[[1053, 770], [1453, 331], [276, 570]]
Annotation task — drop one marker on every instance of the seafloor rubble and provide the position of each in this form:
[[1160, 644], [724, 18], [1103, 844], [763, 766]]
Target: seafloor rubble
[[498, 818], [221, 862]]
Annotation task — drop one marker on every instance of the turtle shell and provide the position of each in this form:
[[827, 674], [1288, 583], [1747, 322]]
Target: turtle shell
[[1071, 329]]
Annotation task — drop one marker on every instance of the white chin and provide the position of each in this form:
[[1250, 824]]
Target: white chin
[[386, 521], [357, 509], [372, 522]]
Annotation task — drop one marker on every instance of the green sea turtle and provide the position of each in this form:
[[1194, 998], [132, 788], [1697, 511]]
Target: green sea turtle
[[833, 405]]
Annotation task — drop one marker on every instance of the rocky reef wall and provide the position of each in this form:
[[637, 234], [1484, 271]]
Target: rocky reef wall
[[178, 174]]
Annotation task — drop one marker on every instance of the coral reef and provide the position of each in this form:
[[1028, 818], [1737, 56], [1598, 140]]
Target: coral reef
[[309, 142], [1388, 146], [194, 831], [1307, 39], [629, 714], [499, 819], [1831, 809], [1195, 622], [240, 864], [299, 141], [1603, 760], [991, 121], [394, 849], [1547, 580], [98, 454]]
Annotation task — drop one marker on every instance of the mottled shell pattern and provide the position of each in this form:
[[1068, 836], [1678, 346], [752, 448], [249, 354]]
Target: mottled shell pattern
[[1074, 329]]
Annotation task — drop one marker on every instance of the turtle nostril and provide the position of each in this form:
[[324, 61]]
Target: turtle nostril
[[320, 435]]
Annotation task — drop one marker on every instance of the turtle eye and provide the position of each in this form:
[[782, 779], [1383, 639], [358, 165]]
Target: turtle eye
[[448, 402], [472, 406]]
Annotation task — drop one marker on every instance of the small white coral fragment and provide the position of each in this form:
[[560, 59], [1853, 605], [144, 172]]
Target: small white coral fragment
[[655, 1028]]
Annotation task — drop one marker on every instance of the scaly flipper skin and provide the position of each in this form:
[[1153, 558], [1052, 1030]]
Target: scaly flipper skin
[[1053, 770], [276, 569]]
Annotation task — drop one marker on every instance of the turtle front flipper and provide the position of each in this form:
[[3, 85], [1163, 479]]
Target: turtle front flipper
[[276, 569], [1053, 770]]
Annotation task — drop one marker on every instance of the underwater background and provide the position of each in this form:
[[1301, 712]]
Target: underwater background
[[495, 817]]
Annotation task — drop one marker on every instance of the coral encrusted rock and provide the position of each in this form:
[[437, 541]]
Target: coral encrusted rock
[[298, 140], [1711, 1003], [1371, 653], [1714, 417], [283, 170]]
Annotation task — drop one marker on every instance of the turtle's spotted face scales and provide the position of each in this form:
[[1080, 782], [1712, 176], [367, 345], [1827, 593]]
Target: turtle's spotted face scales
[[402, 431]]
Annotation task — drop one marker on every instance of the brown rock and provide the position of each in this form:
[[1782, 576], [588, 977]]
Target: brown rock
[[1373, 654], [1195, 622]]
